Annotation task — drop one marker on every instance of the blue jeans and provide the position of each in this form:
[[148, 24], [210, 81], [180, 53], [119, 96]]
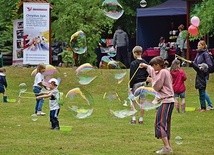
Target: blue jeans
[[202, 98], [207, 98], [39, 103]]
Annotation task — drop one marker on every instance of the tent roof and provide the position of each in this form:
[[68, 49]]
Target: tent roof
[[170, 7]]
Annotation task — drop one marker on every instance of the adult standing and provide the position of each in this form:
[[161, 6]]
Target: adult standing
[[181, 43], [121, 42], [202, 56]]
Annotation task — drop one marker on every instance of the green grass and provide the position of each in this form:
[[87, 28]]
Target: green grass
[[101, 133]]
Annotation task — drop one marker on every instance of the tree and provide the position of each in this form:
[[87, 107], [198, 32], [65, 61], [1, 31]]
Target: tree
[[8, 13], [71, 16], [128, 20], [204, 10]]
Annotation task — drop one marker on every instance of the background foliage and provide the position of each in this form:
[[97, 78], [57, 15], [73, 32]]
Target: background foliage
[[204, 10]]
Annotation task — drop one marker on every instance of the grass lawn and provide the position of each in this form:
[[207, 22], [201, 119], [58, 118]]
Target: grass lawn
[[101, 133]]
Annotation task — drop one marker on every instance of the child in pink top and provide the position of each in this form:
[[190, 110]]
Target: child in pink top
[[162, 83], [178, 78]]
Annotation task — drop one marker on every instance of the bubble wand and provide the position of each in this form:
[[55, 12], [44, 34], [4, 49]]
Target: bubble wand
[[179, 57]]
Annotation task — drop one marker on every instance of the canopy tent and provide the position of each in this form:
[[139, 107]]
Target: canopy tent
[[157, 21]]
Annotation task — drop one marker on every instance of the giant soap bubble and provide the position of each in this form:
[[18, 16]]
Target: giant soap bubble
[[151, 99], [78, 42], [80, 103], [85, 73], [112, 9]]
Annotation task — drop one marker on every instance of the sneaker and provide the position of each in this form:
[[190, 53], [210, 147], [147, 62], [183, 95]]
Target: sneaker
[[132, 122], [140, 122], [56, 128], [40, 113], [210, 108], [202, 110], [164, 151]]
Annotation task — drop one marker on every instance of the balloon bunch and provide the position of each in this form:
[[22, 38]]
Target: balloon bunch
[[193, 29]]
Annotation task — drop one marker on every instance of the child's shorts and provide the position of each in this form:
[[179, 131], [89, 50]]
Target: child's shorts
[[181, 95], [2, 90]]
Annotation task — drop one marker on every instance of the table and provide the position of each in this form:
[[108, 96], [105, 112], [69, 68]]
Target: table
[[152, 52]]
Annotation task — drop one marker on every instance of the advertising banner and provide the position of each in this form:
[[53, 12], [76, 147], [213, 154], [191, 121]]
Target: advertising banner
[[36, 33], [17, 41]]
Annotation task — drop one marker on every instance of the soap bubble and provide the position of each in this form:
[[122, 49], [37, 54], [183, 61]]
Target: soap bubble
[[143, 3], [78, 42], [80, 102], [112, 52], [85, 73], [149, 98], [178, 140], [34, 117], [112, 9], [22, 87]]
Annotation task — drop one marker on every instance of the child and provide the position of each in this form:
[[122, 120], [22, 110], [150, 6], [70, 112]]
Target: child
[[162, 83], [3, 83], [37, 87], [178, 78], [136, 79], [163, 48], [53, 94]]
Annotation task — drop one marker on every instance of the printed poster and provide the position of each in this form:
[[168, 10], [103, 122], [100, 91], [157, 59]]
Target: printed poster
[[17, 41], [36, 33]]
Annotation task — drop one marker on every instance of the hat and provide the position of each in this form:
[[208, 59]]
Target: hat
[[203, 65], [54, 80]]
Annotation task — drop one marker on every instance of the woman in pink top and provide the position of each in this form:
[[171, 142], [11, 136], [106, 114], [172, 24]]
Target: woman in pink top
[[178, 78], [162, 83]]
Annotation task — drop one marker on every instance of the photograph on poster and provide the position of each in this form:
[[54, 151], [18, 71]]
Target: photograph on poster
[[19, 43], [19, 34], [20, 25], [19, 53], [37, 43]]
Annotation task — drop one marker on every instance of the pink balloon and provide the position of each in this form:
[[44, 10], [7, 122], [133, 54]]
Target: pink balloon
[[195, 21], [193, 30]]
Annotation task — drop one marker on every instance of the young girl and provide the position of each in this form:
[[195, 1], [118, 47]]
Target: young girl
[[162, 83], [3, 83], [37, 87], [178, 78], [163, 48], [53, 94]]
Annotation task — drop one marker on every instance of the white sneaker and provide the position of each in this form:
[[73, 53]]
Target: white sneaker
[[210, 108], [164, 151], [40, 113]]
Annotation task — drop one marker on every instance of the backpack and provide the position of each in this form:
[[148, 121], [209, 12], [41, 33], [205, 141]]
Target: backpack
[[211, 68]]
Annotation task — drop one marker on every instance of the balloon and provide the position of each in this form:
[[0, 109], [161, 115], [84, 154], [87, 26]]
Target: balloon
[[193, 30], [195, 21]]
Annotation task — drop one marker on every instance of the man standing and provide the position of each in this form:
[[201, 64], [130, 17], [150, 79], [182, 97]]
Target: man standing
[[121, 42]]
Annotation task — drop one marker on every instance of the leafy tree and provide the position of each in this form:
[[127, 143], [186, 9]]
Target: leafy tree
[[205, 12], [8, 13], [128, 20], [67, 57], [71, 16]]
